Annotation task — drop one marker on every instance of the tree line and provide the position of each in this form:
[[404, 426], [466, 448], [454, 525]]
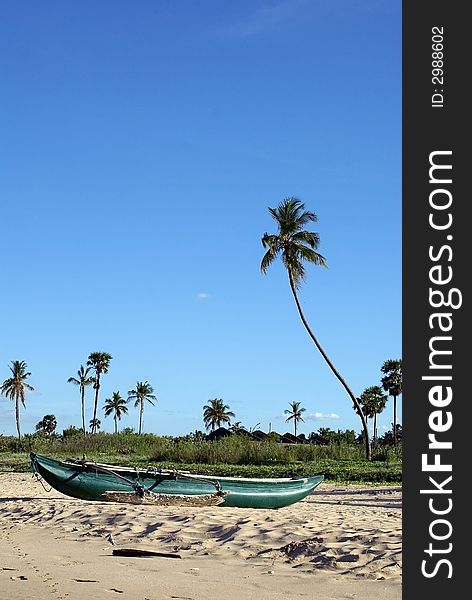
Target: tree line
[[373, 401], [98, 363]]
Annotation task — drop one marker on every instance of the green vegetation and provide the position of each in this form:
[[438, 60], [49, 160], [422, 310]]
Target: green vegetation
[[236, 455]]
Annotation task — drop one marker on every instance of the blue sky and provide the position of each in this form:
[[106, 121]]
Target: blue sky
[[142, 144]]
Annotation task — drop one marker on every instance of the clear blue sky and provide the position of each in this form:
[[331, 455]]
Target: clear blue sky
[[141, 144]]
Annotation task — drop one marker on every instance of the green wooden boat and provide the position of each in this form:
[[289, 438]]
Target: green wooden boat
[[95, 481]]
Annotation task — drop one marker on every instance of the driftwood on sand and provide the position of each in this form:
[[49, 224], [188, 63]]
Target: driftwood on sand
[[143, 553]]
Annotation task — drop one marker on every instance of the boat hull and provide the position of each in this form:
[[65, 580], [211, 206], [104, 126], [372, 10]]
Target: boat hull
[[89, 482]]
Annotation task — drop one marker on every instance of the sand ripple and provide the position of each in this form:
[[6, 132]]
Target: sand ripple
[[350, 530]]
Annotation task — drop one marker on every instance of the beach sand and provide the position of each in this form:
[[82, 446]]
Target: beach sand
[[342, 542]]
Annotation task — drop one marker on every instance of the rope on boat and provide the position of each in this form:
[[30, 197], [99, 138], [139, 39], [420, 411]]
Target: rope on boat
[[139, 488], [149, 470], [38, 477]]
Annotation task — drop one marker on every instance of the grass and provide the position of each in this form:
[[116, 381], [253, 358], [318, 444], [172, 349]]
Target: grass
[[232, 456]]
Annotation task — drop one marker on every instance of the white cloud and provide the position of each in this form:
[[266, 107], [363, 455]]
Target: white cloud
[[318, 416], [265, 18], [203, 295]]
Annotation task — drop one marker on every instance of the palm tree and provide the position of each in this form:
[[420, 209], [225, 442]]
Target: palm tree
[[15, 387], [82, 380], [392, 384], [295, 414], [295, 245], [95, 424], [143, 393], [116, 406], [215, 413], [373, 402], [47, 424], [100, 363], [238, 428]]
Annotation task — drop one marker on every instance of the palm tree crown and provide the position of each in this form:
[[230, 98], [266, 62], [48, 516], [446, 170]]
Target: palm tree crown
[[295, 245], [116, 406], [216, 413], [295, 414], [15, 388], [143, 393], [100, 363], [82, 380]]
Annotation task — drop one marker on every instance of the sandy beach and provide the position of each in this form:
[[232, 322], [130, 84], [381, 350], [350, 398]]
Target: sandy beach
[[341, 542]]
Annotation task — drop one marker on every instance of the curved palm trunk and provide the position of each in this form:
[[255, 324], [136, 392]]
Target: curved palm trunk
[[116, 425], [82, 394], [295, 427], [97, 388], [375, 430], [394, 421], [17, 415], [333, 369]]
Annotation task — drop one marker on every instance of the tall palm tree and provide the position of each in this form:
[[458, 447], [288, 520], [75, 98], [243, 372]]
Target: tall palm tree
[[295, 414], [82, 380], [15, 388], [143, 393], [373, 402], [295, 245], [100, 363], [216, 413], [392, 384], [116, 406]]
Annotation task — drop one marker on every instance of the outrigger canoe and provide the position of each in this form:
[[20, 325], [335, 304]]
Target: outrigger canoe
[[95, 481]]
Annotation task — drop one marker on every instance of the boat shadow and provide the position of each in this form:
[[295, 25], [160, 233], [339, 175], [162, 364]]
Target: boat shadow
[[370, 498]]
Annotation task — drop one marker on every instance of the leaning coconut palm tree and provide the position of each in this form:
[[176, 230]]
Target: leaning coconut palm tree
[[143, 393], [295, 414], [82, 380], [373, 402], [392, 384], [100, 363], [15, 388], [116, 406], [216, 413], [295, 245]]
